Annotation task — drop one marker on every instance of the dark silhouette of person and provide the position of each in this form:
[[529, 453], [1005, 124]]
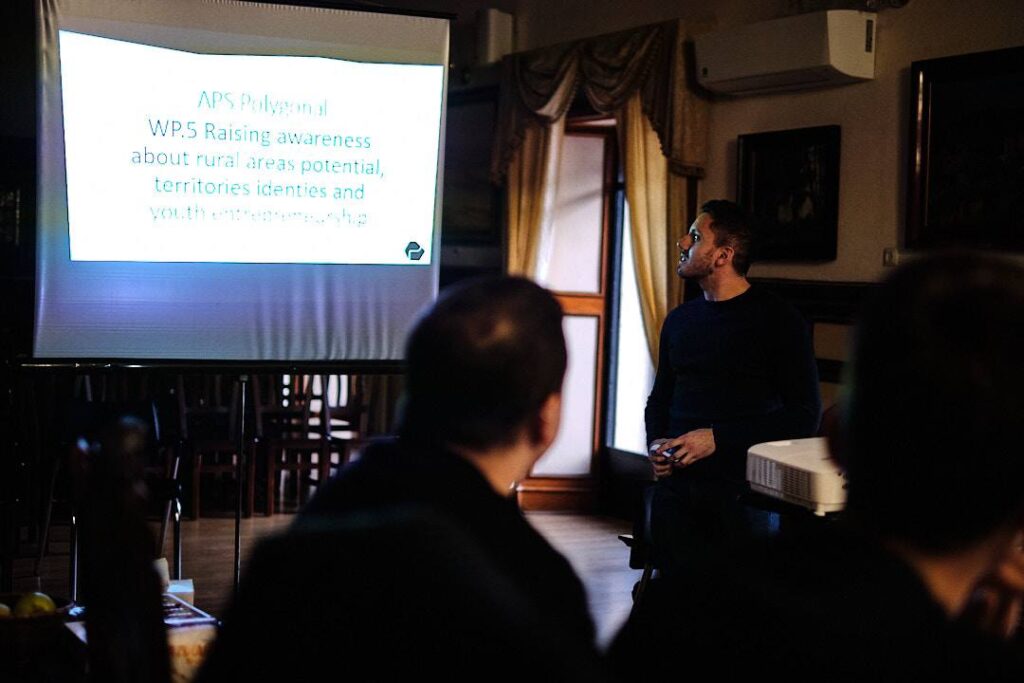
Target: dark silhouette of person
[[127, 639], [922, 579], [415, 559]]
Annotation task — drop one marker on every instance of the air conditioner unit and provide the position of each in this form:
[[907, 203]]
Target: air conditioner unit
[[804, 51], [798, 471]]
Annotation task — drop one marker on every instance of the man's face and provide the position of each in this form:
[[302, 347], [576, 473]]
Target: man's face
[[697, 250]]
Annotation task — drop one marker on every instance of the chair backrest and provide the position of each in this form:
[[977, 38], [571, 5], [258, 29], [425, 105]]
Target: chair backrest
[[284, 407], [345, 404], [207, 406]]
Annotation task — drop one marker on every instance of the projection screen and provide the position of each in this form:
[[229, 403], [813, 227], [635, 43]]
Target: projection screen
[[224, 180]]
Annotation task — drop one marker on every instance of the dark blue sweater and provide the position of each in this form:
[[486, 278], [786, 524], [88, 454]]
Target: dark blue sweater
[[743, 367]]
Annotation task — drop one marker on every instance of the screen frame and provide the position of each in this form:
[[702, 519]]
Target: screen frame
[[86, 363]]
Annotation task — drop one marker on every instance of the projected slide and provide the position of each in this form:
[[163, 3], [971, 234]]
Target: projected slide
[[201, 158]]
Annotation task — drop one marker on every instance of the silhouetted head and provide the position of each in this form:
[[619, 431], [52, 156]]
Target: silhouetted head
[[931, 436], [482, 362]]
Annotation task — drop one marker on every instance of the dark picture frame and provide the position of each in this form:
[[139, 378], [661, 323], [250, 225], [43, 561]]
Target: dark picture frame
[[966, 152], [789, 182]]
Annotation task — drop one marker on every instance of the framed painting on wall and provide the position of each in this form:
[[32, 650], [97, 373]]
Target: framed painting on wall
[[966, 156], [789, 182]]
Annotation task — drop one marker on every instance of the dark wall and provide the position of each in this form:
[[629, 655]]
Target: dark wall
[[17, 69], [18, 110]]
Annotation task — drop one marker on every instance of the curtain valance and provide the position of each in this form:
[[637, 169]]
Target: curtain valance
[[539, 86]]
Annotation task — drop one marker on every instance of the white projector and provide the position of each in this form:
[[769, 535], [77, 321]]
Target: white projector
[[798, 471]]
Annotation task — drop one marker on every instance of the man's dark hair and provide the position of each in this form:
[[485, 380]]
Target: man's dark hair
[[481, 362], [733, 228], [931, 435]]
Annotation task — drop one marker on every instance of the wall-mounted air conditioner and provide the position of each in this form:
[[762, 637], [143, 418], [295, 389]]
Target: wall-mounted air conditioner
[[804, 51]]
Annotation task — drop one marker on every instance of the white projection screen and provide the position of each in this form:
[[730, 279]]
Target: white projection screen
[[224, 180]]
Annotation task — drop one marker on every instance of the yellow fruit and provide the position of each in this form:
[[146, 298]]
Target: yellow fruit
[[34, 605], [5, 611]]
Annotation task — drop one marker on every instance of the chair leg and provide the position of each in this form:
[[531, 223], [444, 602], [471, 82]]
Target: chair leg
[[172, 476], [197, 467], [177, 539], [250, 484], [165, 521], [73, 553], [323, 465], [643, 539], [44, 536], [641, 587], [271, 481]]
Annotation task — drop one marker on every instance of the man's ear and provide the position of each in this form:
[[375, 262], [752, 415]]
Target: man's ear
[[724, 256], [544, 426]]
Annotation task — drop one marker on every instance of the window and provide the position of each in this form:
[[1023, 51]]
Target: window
[[577, 272], [633, 370]]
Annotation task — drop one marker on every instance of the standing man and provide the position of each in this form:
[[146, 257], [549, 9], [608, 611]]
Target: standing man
[[735, 368]]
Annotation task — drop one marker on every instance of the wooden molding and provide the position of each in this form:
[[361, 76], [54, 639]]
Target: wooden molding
[[558, 494], [581, 304]]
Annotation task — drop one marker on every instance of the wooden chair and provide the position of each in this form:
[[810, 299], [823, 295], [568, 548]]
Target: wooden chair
[[208, 423], [640, 555], [346, 414], [291, 432]]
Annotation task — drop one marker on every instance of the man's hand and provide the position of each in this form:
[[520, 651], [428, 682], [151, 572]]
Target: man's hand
[[661, 462], [691, 447]]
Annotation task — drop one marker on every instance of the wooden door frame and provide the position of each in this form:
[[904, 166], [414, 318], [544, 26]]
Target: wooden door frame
[[579, 493]]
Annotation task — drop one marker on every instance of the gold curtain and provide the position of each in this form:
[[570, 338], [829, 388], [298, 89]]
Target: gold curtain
[[532, 186], [536, 89], [646, 172], [642, 77]]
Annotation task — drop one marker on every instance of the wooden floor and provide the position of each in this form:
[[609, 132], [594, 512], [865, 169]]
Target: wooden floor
[[592, 546], [589, 543]]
